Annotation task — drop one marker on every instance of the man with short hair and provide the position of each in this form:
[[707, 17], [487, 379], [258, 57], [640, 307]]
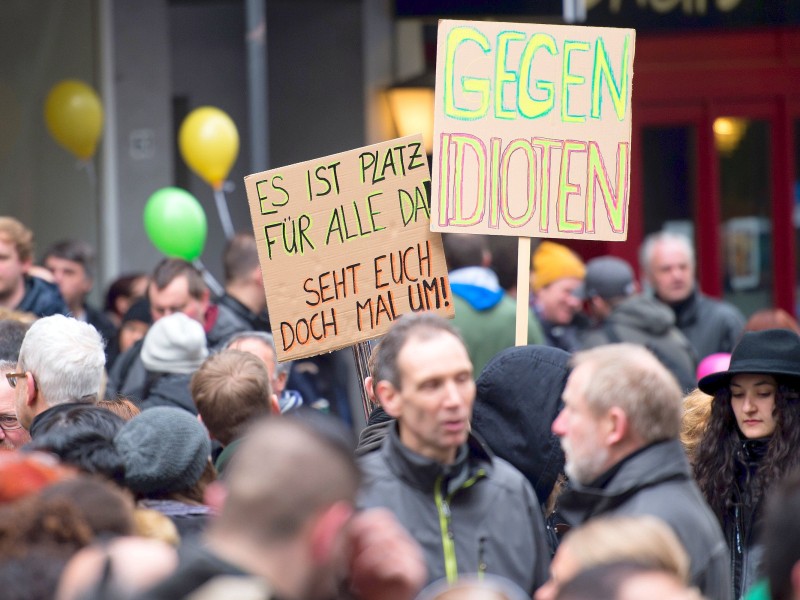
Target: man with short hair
[[72, 264], [244, 287], [61, 360], [287, 526], [470, 511], [12, 434], [622, 315], [262, 345], [485, 315], [556, 277], [619, 430], [668, 265], [175, 286], [19, 290], [231, 390]]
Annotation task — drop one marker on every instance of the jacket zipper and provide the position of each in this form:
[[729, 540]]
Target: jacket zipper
[[445, 516]]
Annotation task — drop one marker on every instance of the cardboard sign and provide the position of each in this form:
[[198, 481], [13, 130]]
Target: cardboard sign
[[345, 246], [532, 130]]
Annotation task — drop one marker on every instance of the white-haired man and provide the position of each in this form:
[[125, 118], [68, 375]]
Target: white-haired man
[[61, 360], [668, 265]]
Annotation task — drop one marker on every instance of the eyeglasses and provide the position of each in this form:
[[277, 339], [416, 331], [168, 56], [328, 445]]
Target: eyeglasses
[[9, 423], [12, 378]]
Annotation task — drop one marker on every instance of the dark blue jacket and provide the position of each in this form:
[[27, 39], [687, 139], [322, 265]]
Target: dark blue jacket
[[42, 298]]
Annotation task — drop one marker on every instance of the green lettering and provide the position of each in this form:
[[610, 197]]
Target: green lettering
[[602, 71], [479, 85], [502, 75], [569, 79], [528, 106]]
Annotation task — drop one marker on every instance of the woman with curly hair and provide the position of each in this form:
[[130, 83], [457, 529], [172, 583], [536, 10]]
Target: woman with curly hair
[[751, 440]]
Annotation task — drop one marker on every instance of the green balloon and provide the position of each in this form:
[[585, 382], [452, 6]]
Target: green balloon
[[176, 223]]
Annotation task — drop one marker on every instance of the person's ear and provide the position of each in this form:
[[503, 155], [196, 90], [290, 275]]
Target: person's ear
[[617, 425], [215, 495], [389, 397], [205, 300], [274, 404], [200, 420], [326, 529], [369, 389], [31, 388]]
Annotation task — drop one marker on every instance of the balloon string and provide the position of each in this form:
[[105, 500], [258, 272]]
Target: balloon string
[[213, 285], [90, 172], [224, 215]]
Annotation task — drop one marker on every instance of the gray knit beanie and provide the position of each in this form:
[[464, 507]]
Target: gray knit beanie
[[164, 450], [174, 344]]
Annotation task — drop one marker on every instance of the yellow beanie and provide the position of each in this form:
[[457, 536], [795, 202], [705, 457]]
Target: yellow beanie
[[552, 262]]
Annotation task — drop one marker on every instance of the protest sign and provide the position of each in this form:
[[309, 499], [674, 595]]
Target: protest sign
[[345, 246], [532, 130]]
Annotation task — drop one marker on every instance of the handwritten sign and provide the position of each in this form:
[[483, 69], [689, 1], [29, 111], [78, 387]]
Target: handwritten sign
[[532, 130], [345, 246]]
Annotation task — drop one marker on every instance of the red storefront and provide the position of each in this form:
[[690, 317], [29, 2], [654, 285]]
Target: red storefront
[[716, 132]]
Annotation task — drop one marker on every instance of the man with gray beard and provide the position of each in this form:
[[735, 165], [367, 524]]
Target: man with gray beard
[[619, 431]]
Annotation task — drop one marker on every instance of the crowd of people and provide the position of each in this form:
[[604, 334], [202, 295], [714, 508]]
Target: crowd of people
[[155, 448]]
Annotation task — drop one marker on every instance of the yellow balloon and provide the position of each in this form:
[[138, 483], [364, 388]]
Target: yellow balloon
[[74, 117], [209, 143]]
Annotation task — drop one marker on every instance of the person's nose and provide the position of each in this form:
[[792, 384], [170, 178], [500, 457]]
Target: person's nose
[[748, 405], [558, 425], [453, 396]]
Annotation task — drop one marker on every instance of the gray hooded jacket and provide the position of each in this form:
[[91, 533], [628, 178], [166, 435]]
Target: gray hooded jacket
[[477, 515], [657, 481], [645, 321]]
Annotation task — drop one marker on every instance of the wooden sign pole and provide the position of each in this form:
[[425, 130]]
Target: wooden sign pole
[[361, 353], [523, 289]]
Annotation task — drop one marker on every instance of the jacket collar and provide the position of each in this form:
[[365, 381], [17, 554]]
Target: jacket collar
[[422, 472], [658, 463]]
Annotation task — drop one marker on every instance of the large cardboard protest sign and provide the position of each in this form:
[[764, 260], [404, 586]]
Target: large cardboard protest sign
[[345, 246], [532, 130]]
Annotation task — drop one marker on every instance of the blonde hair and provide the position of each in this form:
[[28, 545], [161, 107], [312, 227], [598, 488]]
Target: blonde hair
[[15, 233], [696, 410], [644, 540], [149, 523]]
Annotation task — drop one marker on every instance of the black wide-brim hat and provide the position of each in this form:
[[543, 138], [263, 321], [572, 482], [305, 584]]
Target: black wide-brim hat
[[769, 352]]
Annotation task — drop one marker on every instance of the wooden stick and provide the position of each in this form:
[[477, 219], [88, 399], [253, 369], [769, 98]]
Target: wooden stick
[[523, 289], [361, 352]]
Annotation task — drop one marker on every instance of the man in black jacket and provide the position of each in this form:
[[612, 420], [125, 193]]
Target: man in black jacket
[[668, 263], [72, 264], [619, 430], [175, 286]]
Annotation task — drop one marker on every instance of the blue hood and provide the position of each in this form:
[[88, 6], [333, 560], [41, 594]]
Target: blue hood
[[478, 286]]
